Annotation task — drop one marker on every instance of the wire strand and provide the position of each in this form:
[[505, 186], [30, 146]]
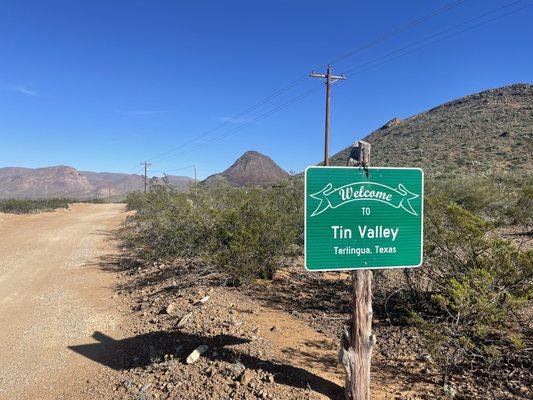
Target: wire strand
[[370, 64], [302, 78]]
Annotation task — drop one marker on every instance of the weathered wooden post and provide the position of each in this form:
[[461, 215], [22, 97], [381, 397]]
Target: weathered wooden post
[[357, 339]]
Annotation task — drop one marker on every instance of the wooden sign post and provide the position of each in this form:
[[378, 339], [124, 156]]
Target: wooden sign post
[[359, 219], [357, 340]]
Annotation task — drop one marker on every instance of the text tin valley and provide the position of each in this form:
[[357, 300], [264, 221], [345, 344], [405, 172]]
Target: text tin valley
[[355, 221]]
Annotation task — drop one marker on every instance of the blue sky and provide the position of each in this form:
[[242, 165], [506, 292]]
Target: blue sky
[[103, 85]]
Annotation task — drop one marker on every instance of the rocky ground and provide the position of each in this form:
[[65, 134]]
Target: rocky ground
[[274, 340]]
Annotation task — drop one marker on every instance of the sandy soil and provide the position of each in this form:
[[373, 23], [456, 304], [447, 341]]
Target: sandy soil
[[53, 297]]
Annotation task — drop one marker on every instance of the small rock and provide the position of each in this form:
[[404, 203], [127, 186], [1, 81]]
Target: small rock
[[183, 321], [144, 388], [237, 369], [247, 377], [153, 354], [424, 357], [127, 383], [178, 350], [195, 355], [391, 123], [449, 391], [203, 300], [273, 329], [143, 396], [171, 308]]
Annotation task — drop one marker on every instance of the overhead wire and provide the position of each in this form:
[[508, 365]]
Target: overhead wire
[[174, 169], [446, 37], [369, 64], [346, 71], [302, 78], [400, 29]]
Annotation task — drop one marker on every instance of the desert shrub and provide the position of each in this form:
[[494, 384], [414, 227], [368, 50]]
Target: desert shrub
[[501, 199], [476, 195], [25, 206], [245, 232], [251, 237], [168, 223], [470, 288], [521, 212]]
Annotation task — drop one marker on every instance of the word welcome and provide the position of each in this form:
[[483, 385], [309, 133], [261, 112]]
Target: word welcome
[[398, 197]]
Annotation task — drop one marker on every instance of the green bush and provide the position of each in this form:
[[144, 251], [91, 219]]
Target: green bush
[[26, 206], [251, 237], [246, 232], [521, 212], [471, 286], [503, 199]]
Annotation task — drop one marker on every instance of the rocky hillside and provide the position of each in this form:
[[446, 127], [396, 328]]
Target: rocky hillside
[[64, 181], [47, 182], [490, 131], [252, 168]]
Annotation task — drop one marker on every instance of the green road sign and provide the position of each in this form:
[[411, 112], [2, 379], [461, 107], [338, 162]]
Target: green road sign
[[355, 221]]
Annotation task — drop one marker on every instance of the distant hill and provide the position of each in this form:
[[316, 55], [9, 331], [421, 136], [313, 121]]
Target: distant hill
[[65, 181], [490, 131], [252, 168]]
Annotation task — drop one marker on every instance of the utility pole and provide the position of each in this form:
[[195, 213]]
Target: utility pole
[[146, 165], [195, 180], [329, 80], [109, 193]]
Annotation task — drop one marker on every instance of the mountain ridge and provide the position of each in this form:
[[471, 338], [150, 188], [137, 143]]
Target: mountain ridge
[[66, 181], [477, 133]]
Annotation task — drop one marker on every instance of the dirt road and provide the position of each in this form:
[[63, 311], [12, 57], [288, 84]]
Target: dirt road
[[54, 295]]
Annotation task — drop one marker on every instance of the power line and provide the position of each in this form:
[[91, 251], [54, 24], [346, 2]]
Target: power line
[[435, 35], [447, 37], [260, 117], [277, 93], [175, 169], [369, 64], [400, 29], [301, 79]]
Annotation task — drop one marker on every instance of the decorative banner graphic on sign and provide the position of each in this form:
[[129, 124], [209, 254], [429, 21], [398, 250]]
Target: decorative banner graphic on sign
[[357, 221], [333, 198]]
